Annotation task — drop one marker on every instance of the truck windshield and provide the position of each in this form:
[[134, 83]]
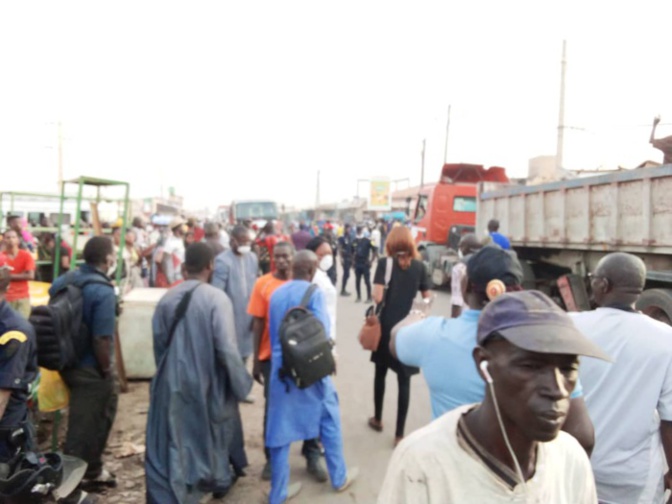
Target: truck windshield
[[257, 210], [421, 208], [464, 204]]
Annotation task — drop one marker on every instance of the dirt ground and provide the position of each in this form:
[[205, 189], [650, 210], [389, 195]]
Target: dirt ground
[[125, 452]]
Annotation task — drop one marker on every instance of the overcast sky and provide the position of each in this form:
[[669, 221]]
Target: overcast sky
[[240, 100]]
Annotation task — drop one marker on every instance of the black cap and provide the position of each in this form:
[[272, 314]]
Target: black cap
[[494, 263], [532, 321]]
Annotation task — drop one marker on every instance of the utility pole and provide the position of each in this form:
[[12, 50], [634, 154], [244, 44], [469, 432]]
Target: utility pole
[[445, 148], [60, 157], [561, 115], [422, 165]]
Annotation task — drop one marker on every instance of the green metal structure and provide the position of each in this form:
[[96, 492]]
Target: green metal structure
[[81, 182]]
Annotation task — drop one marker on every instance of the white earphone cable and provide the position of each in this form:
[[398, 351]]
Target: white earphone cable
[[506, 438]]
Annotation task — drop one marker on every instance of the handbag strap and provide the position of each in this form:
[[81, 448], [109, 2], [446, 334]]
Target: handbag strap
[[388, 271], [388, 277]]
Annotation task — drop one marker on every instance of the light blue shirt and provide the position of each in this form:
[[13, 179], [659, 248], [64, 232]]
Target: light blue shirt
[[442, 348]]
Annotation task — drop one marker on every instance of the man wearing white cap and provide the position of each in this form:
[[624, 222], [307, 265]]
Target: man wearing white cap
[[173, 252]]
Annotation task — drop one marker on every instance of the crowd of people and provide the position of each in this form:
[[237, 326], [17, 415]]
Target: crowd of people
[[529, 403]]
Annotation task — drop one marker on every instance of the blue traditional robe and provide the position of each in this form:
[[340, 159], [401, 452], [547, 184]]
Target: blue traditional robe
[[193, 414], [294, 414]]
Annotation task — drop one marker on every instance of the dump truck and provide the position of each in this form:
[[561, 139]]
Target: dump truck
[[560, 230]]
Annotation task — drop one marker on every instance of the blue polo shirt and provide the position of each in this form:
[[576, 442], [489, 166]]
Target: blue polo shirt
[[18, 364], [98, 310], [442, 348]]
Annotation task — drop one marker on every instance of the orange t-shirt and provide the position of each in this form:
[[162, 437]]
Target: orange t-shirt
[[18, 289], [260, 302]]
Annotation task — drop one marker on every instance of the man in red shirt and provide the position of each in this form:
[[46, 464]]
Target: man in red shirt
[[22, 267], [266, 243]]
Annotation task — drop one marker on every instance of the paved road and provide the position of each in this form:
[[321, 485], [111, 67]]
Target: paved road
[[368, 450]]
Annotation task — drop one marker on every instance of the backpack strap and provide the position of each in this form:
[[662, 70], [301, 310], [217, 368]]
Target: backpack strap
[[307, 296]]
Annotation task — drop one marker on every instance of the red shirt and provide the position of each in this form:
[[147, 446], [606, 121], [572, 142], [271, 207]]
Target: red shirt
[[18, 289], [269, 242], [199, 234]]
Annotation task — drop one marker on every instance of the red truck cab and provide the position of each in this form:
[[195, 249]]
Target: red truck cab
[[452, 202]]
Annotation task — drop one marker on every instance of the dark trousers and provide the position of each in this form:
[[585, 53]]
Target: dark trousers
[[93, 407], [311, 447], [21, 443], [403, 401], [346, 274], [365, 272], [266, 372]]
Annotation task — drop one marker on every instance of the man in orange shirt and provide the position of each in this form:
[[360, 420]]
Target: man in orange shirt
[[260, 301], [22, 267]]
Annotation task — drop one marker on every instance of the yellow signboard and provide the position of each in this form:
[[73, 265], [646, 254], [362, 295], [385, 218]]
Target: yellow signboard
[[380, 195]]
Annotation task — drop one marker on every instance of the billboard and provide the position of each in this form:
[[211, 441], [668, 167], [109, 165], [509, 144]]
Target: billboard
[[380, 197]]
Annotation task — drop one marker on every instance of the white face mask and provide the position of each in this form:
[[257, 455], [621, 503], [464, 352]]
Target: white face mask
[[327, 262], [245, 249], [460, 254]]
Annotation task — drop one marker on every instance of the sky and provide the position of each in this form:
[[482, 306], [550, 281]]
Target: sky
[[244, 100]]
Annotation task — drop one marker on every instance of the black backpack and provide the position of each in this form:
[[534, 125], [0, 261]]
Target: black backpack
[[306, 350], [62, 336]]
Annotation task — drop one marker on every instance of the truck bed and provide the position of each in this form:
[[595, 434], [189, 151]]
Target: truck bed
[[629, 211]]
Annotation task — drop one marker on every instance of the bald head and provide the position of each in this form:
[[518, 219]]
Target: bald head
[[618, 279], [469, 244], [305, 265]]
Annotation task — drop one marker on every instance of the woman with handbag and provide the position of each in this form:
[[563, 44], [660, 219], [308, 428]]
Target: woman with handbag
[[394, 299]]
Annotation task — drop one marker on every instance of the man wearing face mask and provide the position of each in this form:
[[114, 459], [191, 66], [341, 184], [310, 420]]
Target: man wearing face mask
[[92, 382], [235, 274], [325, 260]]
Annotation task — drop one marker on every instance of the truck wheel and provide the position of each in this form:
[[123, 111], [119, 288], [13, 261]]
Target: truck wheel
[[529, 278], [657, 304]]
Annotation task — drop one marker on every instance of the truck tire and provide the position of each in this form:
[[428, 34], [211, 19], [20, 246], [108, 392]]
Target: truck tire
[[529, 278], [657, 304]]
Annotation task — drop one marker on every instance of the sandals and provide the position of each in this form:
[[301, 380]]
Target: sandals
[[375, 424]]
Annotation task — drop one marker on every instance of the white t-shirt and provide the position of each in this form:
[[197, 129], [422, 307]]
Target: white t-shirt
[[175, 245], [432, 466], [376, 237], [458, 272], [623, 398], [321, 279], [224, 239]]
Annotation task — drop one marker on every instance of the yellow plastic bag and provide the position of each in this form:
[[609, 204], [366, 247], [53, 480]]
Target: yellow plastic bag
[[53, 393]]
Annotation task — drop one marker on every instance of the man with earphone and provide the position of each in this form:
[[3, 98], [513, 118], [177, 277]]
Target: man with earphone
[[442, 348], [510, 447]]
